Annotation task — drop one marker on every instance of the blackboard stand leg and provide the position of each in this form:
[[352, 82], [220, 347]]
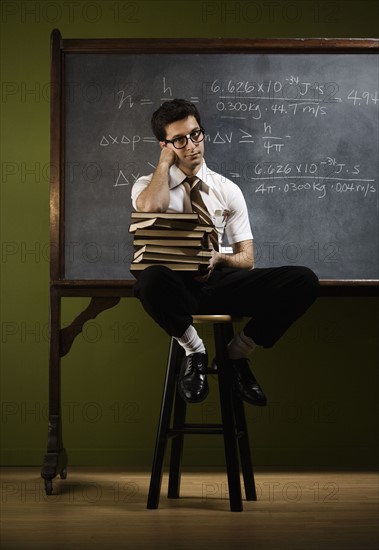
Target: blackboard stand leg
[[55, 461], [61, 340]]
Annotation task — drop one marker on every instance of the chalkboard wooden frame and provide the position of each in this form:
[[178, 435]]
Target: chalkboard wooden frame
[[105, 294]]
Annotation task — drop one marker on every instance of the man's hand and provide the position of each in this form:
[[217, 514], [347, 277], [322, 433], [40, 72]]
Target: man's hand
[[168, 157], [242, 258], [216, 259]]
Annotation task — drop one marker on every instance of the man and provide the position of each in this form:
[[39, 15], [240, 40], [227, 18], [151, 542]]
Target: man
[[273, 297]]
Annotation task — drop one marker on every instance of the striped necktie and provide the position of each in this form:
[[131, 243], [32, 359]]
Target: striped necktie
[[200, 209]]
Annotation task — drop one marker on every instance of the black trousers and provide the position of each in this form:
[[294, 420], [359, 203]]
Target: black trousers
[[273, 297]]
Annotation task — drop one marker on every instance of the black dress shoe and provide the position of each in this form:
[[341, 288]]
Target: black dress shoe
[[193, 383], [245, 383]]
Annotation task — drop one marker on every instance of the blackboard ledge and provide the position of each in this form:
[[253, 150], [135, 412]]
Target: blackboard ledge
[[349, 287], [124, 288]]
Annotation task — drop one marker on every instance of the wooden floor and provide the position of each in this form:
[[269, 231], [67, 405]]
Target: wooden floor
[[106, 508]]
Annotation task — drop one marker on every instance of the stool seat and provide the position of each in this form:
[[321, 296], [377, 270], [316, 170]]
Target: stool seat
[[233, 426], [215, 319]]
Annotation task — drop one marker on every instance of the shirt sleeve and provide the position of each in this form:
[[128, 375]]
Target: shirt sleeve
[[139, 185], [237, 227]]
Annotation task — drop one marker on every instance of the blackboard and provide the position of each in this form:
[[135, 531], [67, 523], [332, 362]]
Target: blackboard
[[296, 130]]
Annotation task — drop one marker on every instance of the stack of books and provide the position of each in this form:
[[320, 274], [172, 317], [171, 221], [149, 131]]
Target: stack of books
[[177, 241]]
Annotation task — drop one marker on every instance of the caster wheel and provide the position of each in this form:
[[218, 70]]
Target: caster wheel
[[48, 486], [63, 473]]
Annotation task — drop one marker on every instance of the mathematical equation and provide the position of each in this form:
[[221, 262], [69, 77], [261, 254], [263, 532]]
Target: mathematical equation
[[269, 142], [109, 140], [246, 100], [320, 189], [319, 178], [264, 103], [291, 96], [129, 100], [291, 89]]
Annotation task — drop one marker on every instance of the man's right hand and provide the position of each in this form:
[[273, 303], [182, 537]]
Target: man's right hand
[[168, 156]]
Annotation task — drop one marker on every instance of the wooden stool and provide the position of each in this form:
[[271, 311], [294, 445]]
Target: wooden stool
[[233, 427]]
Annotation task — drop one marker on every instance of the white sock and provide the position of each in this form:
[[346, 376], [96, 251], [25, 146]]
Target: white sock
[[190, 341], [240, 346]]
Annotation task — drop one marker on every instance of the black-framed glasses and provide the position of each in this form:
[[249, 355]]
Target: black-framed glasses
[[197, 136]]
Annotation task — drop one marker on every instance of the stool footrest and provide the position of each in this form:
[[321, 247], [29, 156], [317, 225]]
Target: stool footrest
[[216, 429]]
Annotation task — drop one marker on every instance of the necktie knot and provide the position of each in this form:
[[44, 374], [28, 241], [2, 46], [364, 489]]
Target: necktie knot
[[194, 182]]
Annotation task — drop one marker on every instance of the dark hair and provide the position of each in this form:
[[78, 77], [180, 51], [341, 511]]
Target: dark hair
[[171, 111]]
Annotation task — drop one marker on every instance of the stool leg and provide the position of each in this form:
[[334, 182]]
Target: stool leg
[[231, 454], [176, 447], [244, 448], [163, 427]]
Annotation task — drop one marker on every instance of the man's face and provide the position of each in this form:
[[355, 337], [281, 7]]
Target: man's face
[[190, 158]]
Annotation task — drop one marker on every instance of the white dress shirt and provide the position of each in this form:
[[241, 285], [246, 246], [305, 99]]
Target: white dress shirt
[[223, 199]]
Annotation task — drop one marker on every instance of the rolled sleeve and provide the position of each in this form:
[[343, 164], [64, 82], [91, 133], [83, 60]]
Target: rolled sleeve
[[139, 186]]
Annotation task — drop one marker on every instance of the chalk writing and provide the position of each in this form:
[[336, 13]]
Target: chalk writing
[[128, 99], [320, 189], [268, 100], [122, 180], [316, 177], [166, 88], [246, 137], [220, 138], [311, 108], [110, 140], [363, 98], [289, 90], [241, 107], [323, 168]]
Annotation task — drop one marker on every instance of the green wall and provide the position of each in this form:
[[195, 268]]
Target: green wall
[[321, 379]]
